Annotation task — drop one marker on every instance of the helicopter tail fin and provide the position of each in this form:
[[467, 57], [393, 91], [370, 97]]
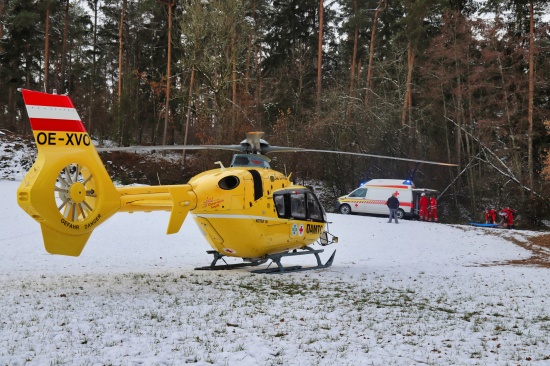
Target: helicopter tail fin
[[67, 190]]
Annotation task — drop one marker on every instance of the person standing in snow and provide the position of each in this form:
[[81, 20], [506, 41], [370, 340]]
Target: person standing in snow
[[490, 216], [423, 203], [433, 209], [393, 205], [507, 217]]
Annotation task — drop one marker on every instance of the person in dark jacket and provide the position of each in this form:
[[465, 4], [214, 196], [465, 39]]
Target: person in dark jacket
[[393, 205]]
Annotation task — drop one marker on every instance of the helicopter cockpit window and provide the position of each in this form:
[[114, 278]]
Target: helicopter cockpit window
[[298, 205], [361, 192], [280, 205], [240, 160], [314, 210], [249, 160]]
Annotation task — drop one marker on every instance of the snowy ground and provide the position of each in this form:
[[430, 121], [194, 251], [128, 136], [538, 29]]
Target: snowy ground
[[408, 294]]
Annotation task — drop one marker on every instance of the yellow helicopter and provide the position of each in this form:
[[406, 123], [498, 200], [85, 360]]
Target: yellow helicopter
[[246, 210]]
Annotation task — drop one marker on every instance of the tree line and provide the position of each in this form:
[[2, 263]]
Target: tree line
[[446, 80]]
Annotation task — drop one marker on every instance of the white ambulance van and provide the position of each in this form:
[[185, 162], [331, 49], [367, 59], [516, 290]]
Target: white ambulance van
[[371, 198]]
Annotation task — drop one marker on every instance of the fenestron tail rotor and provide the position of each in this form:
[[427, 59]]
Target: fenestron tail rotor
[[75, 193]]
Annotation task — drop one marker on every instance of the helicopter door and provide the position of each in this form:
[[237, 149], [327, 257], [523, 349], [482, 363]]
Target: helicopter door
[[314, 208], [278, 230], [298, 206], [305, 216]]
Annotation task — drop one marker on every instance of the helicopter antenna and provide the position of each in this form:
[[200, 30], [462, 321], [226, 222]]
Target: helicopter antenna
[[220, 164]]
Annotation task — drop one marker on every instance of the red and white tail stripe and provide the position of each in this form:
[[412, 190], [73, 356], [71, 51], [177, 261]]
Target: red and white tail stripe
[[52, 112]]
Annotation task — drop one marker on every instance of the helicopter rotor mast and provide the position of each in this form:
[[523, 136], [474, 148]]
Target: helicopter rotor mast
[[253, 143]]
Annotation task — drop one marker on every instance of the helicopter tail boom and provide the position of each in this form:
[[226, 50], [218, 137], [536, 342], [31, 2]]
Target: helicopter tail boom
[[178, 199], [68, 190]]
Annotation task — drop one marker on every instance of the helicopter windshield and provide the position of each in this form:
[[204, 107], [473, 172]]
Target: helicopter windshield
[[298, 204], [257, 161]]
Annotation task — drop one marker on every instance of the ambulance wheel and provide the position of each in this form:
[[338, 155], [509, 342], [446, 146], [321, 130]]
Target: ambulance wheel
[[400, 214], [345, 209]]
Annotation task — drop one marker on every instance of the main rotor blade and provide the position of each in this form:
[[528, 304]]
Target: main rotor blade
[[172, 147], [299, 149], [265, 150]]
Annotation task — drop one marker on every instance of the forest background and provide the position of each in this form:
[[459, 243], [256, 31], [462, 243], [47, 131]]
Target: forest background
[[447, 80]]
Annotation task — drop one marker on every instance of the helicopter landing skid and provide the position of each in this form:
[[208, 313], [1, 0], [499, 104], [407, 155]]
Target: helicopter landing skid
[[218, 256], [276, 258]]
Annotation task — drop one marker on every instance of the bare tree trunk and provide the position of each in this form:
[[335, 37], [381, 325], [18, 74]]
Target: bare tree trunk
[[2, 10], [47, 47], [70, 68], [64, 51], [382, 4], [258, 89], [353, 62], [251, 41], [189, 104], [233, 80], [319, 59], [120, 63], [168, 72], [56, 69], [92, 81], [253, 69], [516, 162], [531, 94], [406, 109], [2, 16], [467, 148], [120, 49]]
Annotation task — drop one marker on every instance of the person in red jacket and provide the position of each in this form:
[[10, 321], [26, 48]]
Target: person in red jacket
[[507, 217], [423, 203], [433, 209], [490, 216]]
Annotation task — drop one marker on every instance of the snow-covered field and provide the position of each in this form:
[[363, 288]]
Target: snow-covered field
[[409, 294], [413, 293]]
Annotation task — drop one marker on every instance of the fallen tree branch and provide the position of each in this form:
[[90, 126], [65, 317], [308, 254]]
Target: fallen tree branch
[[454, 180], [506, 171]]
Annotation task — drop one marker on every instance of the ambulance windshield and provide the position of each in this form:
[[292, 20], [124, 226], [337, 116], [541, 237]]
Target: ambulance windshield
[[361, 192]]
